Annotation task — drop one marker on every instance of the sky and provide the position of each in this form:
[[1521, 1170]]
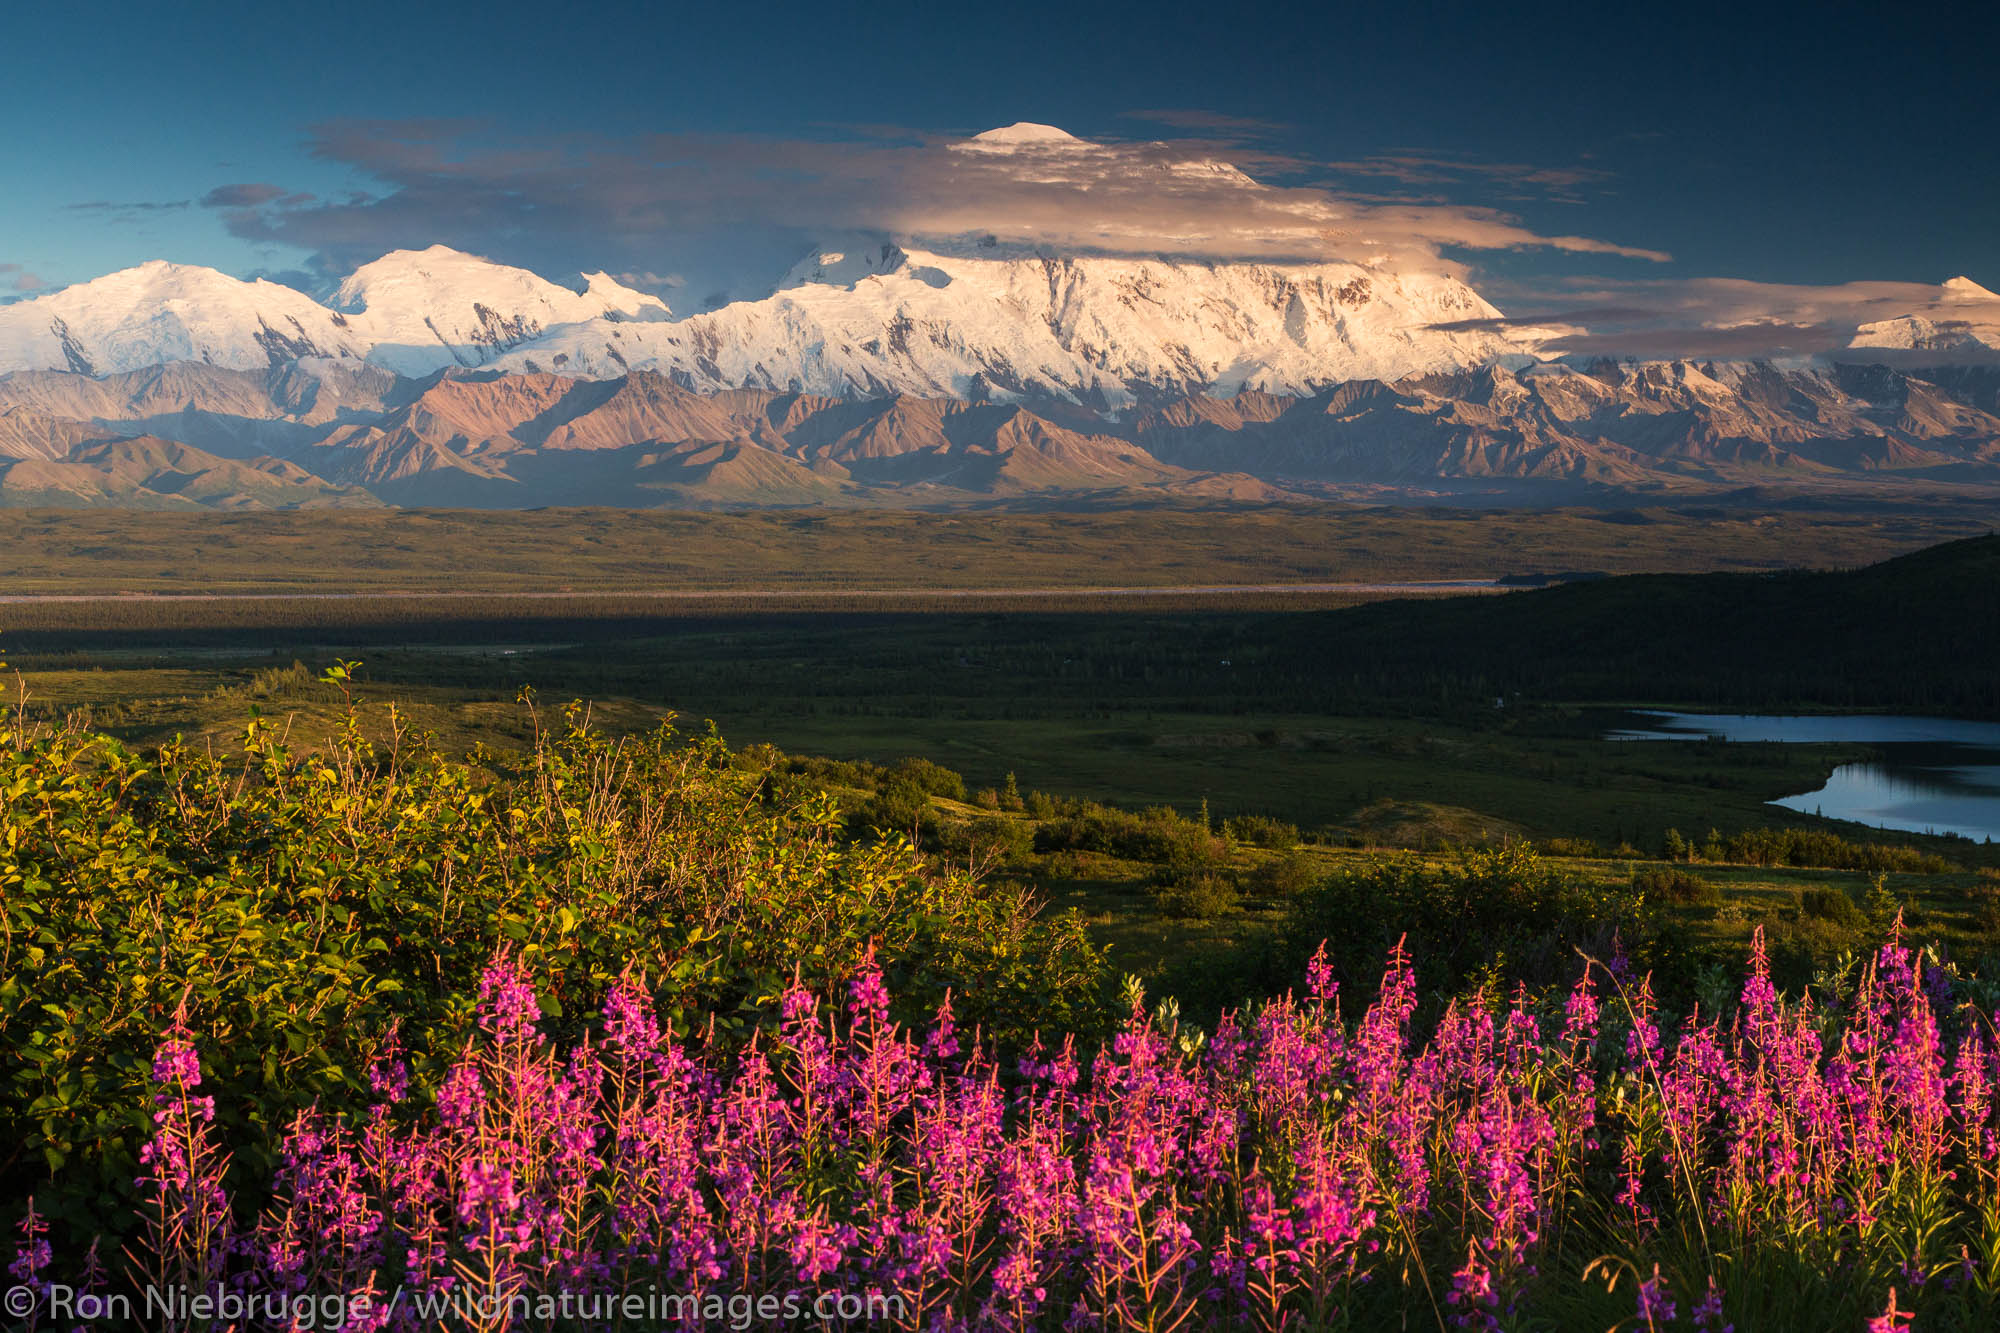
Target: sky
[[1627, 167]]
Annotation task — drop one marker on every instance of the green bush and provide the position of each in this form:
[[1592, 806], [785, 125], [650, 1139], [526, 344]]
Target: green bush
[[929, 778], [1821, 850], [1986, 912], [1261, 831], [1199, 896], [899, 807], [1157, 835], [858, 774], [1676, 886], [299, 902], [991, 835], [1283, 878], [1501, 911], [1834, 906]]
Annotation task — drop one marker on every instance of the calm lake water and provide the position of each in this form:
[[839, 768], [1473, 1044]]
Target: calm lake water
[[1935, 774]]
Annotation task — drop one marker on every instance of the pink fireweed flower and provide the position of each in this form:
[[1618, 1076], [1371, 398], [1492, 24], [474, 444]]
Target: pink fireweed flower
[[1973, 1077], [388, 1075], [630, 1025], [175, 1064], [1472, 1295], [1580, 1014], [508, 1008], [1708, 1311], [1319, 976], [1760, 997], [868, 997], [32, 1253], [1656, 1306], [461, 1098], [1891, 1320]]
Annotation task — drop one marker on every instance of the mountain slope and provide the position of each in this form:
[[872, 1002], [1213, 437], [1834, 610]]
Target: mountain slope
[[145, 472], [28, 434], [485, 438], [1919, 633], [1611, 423]]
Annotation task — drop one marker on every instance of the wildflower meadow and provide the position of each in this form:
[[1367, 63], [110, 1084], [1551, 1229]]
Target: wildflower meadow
[[1300, 1166]]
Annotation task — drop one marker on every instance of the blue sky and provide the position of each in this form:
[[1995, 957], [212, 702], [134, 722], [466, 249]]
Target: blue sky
[[1816, 145]]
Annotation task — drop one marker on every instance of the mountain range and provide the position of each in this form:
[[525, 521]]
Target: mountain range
[[321, 432], [876, 372]]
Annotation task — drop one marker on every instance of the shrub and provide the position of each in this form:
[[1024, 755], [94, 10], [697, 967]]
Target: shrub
[[929, 778], [1261, 831], [1579, 847], [1833, 906], [1821, 850], [1039, 804], [858, 774], [900, 806], [1158, 835], [1484, 908], [1283, 878], [1198, 896], [990, 835], [1676, 886], [300, 904]]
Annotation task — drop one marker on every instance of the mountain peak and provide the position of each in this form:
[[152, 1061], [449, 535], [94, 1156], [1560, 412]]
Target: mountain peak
[[433, 268], [1963, 288], [616, 296], [1022, 134], [845, 265]]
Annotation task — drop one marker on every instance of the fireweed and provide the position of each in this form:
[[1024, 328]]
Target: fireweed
[[1579, 1167]]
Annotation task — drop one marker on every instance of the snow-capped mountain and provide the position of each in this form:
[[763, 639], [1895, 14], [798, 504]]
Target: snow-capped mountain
[[1099, 332], [413, 305], [1965, 318], [412, 311], [160, 312], [860, 319]]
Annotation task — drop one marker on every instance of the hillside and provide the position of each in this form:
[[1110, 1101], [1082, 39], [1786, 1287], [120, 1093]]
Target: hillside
[[1919, 633]]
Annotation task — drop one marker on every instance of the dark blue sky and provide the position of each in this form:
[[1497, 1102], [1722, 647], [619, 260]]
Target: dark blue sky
[[1797, 145]]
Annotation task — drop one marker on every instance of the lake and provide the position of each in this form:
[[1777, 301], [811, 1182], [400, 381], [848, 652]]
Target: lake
[[1934, 774]]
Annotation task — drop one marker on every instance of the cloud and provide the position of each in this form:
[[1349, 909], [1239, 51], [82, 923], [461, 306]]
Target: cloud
[[1517, 180], [1207, 122], [132, 211], [18, 279], [653, 202], [1728, 318], [252, 195], [651, 281]]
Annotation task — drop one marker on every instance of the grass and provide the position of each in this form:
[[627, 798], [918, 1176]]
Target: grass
[[94, 552]]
